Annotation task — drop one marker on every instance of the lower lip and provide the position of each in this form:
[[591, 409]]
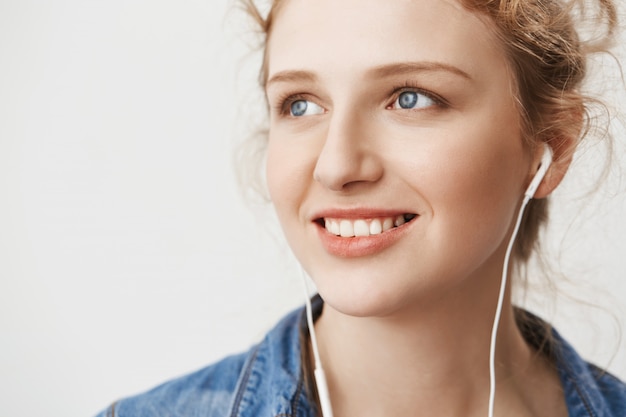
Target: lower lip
[[352, 247]]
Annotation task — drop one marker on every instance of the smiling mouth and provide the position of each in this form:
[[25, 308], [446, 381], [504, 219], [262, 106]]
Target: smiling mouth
[[349, 228]]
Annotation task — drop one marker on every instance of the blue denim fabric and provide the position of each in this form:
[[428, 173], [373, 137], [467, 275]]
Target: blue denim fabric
[[268, 381]]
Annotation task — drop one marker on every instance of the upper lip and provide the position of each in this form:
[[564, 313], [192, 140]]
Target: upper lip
[[358, 213]]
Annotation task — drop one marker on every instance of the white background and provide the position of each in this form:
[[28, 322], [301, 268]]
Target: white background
[[127, 255]]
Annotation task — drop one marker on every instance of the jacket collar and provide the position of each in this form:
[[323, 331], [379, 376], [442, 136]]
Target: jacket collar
[[580, 382], [272, 381]]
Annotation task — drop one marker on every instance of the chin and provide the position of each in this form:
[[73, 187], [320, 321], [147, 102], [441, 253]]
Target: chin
[[363, 300]]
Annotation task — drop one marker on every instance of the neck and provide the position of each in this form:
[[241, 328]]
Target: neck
[[410, 360]]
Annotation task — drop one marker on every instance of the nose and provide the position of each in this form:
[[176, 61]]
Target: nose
[[348, 156]]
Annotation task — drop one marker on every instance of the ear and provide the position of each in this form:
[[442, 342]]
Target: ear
[[563, 139], [562, 153]]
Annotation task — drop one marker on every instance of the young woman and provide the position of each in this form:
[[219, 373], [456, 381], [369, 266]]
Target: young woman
[[404, 138]]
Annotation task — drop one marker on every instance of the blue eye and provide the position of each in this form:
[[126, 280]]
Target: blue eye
[[304, 108], [412, 100]]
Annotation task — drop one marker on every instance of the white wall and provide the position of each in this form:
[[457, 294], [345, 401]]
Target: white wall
[[126, 254]]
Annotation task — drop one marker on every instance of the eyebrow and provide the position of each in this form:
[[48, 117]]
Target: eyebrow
[[409, 67], [290, 76], [382, 71]]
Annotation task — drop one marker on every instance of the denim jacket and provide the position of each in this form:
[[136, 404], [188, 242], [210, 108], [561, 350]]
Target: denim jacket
[[268, 381]]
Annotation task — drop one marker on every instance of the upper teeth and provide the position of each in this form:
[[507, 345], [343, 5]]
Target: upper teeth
[[360, 227]]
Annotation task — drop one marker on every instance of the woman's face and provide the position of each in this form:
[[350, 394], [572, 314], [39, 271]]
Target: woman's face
[[395, 159]]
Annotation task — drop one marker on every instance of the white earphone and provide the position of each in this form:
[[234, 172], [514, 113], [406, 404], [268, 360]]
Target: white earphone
[[546, 161], [320, 377]]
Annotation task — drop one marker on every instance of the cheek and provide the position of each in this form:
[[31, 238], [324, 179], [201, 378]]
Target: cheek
[[287, 174], [279, 182], [289, 179], [480, 199], [479, 195], [474, 177]]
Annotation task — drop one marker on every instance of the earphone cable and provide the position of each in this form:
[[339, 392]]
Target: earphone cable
[[320, 376], [496, 320]]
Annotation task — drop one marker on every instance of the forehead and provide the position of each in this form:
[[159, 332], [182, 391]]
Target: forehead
[[338, 35]]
